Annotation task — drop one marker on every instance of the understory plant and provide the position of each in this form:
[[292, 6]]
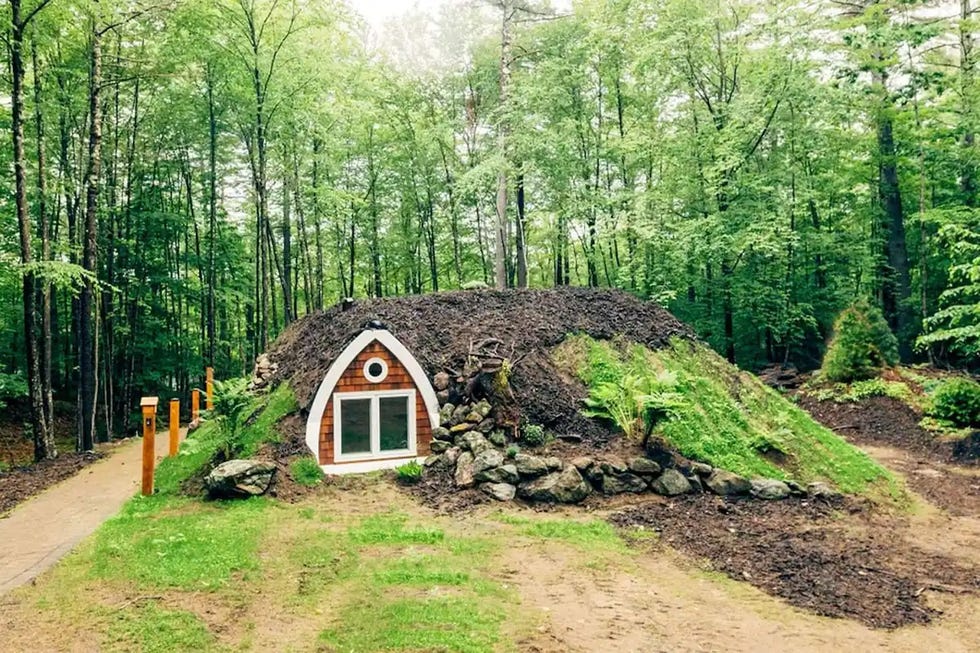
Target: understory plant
[[957, 401], [636, 402], [861, 347], [409, 473], [306, 471]]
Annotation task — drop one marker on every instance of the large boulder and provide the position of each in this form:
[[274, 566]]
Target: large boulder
[[499, 491], [671, 483], [474, 441], [620, 483], [487, 459], [727, 484], [528, 465], [502, 474], [821, 490], [464, 476], [645, 466], [769, 488], [566, 486], [240, 478]]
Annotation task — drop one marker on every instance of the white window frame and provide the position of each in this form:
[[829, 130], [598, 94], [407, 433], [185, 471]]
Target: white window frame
[[375, 396]]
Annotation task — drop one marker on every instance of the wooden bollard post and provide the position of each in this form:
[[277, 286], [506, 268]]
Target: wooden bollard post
[[149, 407], [209, 389], [174, 426], [195, 405]]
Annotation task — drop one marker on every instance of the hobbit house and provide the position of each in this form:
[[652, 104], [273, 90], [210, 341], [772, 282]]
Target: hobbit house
[[515, 393]]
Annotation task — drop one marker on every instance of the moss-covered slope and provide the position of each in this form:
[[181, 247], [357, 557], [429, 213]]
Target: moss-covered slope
[[723, 416]]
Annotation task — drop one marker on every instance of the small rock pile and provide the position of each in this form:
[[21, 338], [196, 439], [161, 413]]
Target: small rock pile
[[470, 446], [264, 371]]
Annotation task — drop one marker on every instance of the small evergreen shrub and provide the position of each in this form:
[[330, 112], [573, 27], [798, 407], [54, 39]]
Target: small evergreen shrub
[[513, 450], [409, 473], [533, 435], [306, 471], [957, 401], [861, 347]]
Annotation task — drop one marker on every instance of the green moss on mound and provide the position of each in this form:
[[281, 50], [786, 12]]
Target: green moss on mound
[[728, 418], [255, 428]]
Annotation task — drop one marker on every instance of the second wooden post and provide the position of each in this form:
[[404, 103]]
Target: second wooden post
[[174, 425], [149, 408], [209, 389]]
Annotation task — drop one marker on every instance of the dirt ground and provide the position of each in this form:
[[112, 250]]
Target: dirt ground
[[21, 483], [889, 430]]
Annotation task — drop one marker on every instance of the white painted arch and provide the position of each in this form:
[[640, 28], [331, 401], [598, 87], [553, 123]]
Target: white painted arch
[[337, 369]]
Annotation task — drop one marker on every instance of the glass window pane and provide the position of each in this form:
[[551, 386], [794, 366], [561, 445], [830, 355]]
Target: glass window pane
[[394, 423], [355, 426]]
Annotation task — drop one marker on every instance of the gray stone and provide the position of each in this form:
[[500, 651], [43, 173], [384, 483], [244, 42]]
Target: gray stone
[[620, 483], [566, 486], [769, 489], [487, 459], [483, 409], [671, 483], [582, 463], [440, 381], [459, 414], [442, 433], [644, 466], [474, 441], [435, 460], [240, 478], [726, 483], [796, 489], [486, 426], [497, 438], [613, 466], [439, 446], [474, 417], [554, 464], [528, 465], [701, 469], [500, 491], [442, 397], [574, 438], [446, 413], [502, 474], [821, 490], [595, 476], [697, 486], [464, 476], [452, 454]]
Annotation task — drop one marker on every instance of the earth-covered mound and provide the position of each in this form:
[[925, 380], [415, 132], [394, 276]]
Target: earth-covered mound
[[441, 330]]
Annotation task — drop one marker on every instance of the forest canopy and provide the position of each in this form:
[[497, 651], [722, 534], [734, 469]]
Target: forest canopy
[[187, 177]]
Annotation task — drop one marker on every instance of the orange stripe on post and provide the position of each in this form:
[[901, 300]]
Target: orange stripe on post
[[149, 408], [174, 425], [195, 404]]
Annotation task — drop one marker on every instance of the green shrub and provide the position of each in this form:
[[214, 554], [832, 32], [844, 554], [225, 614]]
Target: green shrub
[[533, 435], [306, 471], [410, 472], [861, 347], [12, 386], [513, 450], [637, 399], [957, 401]]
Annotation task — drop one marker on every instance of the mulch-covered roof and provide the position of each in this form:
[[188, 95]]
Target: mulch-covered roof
[[440, 328]]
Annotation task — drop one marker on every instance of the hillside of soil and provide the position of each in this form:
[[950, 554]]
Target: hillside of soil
[[440, 329]]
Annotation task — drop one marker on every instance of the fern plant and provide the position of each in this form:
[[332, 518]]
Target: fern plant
[[636, 402]]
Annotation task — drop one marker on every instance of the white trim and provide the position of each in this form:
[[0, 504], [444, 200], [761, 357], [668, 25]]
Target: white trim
[[375, 435], [339, 366], [380, 377], [369, 465]]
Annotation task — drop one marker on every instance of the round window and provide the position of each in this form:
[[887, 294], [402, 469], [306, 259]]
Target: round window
[[375, 370]]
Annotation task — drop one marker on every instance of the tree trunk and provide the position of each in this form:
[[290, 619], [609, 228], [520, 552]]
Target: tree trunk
[[519, 244], [500, 229], [43, 442]]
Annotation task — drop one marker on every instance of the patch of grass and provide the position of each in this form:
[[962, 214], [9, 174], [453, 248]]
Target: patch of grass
[[306, 471], [392, 528], [861, 390], [583, 534], [151, 629], [409, 473], [423, 623], [173, 543], [256, 427], [420, 571], [730, 419]]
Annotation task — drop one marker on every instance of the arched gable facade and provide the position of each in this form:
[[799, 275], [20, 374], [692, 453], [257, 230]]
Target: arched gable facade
[[375, 408]]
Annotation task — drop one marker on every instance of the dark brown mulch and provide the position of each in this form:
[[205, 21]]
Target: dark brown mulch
[[854, 567], [931, 466], [436, 490], [440, 328], [21, 483]]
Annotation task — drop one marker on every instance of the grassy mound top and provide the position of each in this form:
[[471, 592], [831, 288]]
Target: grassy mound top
[[723, 416]]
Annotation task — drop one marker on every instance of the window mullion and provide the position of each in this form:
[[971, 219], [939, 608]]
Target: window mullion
[[375, 425]]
